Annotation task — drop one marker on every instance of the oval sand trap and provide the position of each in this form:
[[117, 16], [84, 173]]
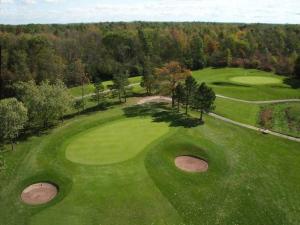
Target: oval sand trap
[[256, 80], [39, 193], [191, 164]]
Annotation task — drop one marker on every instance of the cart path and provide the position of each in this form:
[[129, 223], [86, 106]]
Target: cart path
[[258, 102], [163, 98]]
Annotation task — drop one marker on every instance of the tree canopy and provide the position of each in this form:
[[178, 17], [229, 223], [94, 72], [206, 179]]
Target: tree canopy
[[50, 52], [13, 117]]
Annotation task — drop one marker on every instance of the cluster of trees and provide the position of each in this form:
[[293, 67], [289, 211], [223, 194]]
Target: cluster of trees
[[36, 106], [51, 52], [175, 80]]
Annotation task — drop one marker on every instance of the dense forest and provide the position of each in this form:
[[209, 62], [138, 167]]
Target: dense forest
[[49, 52]]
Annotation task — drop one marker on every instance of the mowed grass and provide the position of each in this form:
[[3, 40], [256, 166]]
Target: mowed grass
[[259, 84], [89, 88], [251, 177], [256, 80], [115, 142], [238, 111]]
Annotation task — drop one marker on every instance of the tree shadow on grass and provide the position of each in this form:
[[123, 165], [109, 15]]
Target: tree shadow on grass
[[161, 112], [221, 83], [293, 82]]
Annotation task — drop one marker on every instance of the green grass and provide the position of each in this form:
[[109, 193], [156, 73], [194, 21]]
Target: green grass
[[113, 168], [251, 177], [103, 145], [89, 88], [238, 111], [221, 81], [256, 80]]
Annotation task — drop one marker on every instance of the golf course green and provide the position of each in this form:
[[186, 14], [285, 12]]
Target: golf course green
[[116, 166], [256, 80], [247, 84], [133, 134]]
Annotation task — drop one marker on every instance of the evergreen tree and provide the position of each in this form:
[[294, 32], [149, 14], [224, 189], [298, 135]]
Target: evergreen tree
[[204, 99], [120, 83], [297, 68], [179, 95], [190, 88]]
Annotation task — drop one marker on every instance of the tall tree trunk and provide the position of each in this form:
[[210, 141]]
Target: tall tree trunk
[[119, 92], [186, 104], [12, 145], [82, 93], [173, 98], [1, 78], [201, 115], [125, 97]]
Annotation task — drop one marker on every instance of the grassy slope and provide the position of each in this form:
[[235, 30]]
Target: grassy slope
[[219, 79], [247, 180]]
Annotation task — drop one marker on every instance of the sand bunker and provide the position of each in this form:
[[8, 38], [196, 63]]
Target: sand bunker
[[154, 99], [191, 164], [39, 193]]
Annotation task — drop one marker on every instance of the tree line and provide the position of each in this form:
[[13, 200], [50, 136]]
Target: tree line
[[37, 106], [65, 52]]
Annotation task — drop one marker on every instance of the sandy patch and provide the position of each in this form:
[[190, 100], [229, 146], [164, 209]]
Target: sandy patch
[[191, 164], [154, 99], [39, 193]]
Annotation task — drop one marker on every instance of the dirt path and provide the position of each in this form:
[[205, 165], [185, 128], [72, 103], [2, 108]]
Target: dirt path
[[157, 98], [259, 102]]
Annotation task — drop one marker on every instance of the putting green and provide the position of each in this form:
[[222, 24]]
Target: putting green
[[115, 142], [256, 80]]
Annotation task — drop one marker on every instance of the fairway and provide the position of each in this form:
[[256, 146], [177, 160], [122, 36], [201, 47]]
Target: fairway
[[114, 142], [116, 169], [247, 84], [255, 80]]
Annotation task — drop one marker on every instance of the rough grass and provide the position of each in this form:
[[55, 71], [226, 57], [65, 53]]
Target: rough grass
[[251, 177], [285, 118]]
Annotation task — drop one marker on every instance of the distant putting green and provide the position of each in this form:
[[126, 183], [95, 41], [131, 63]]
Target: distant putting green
[[115, 142], [255, 80]]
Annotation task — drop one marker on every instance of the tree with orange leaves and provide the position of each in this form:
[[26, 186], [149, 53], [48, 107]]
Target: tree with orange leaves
[[169, 76]]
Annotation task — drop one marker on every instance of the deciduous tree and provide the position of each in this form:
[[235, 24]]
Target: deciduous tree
[[169, 76], [13, 117]]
